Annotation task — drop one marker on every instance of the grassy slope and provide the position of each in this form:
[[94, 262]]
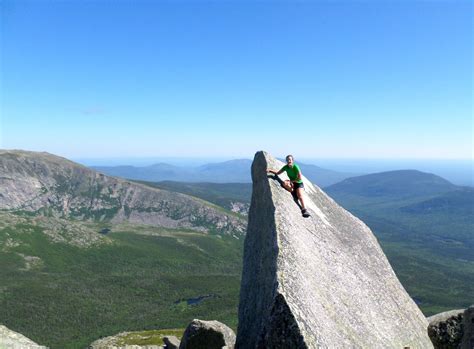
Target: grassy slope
[[76, 296], [221, 194]]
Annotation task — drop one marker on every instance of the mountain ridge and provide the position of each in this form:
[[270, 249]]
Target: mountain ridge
[[50, 185], [397, 184]]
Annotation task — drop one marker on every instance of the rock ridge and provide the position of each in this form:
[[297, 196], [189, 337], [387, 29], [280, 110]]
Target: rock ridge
[[49, 185], [321, 282]]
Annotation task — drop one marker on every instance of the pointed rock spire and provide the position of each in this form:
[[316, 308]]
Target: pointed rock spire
[[318, 282]]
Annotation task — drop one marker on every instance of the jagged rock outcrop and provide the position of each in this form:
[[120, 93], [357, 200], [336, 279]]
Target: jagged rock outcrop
[[14, 340], [468, 327], [54, 186], [445, 329], [452, 329], [318, 282], [202, 334]]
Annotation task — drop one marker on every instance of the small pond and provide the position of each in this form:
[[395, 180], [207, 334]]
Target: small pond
[[196, 300]]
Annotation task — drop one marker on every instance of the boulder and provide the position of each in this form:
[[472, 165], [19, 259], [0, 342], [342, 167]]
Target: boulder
[[468, 327], [207, 335], [14, 340], [171, 342], [446, 330], [452, 329], [317, 282]]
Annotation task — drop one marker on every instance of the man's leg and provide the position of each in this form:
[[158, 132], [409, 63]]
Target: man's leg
[[299, 192], [304, 212]]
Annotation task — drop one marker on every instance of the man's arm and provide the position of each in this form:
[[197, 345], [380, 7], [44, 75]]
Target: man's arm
[[276, 172], [298, 178]]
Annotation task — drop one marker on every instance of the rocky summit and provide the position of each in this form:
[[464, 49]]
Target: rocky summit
[[52, 186], [317, 282]]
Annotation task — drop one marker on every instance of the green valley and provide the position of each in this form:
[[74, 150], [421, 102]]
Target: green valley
[[65, 296]]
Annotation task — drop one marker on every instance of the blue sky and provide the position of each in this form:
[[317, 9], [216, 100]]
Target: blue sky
[[319, 79]]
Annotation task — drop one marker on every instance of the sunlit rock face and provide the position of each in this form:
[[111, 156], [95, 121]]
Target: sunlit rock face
[[13, 340], [318, 282]]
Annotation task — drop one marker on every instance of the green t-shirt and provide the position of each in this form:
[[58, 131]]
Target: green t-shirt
[[292, 172]]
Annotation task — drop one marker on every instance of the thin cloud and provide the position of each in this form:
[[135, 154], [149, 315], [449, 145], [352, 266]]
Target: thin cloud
[[92, 111]]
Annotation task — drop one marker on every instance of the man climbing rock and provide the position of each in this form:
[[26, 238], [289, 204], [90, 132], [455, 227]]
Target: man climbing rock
[[295, 185]]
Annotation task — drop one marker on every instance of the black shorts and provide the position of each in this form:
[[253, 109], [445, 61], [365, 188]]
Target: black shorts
[[298, 185]]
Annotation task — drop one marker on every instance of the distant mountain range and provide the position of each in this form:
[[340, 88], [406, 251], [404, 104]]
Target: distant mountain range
[[233, 171]]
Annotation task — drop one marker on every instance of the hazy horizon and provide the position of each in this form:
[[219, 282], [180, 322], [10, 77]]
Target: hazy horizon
[[458, 171], [210, 159]]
